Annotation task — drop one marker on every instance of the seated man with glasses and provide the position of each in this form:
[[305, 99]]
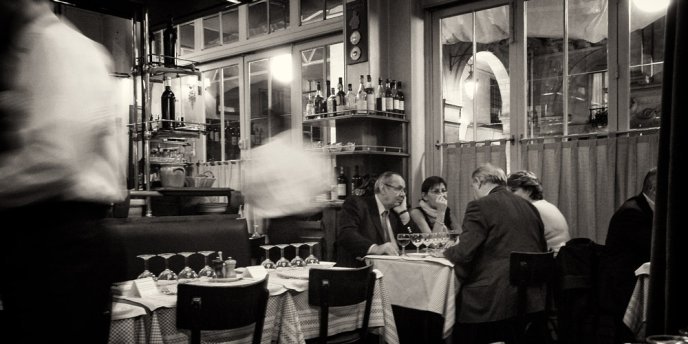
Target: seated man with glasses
[[370, 224]]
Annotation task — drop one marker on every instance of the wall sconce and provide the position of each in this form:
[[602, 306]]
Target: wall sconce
[[470, 83]]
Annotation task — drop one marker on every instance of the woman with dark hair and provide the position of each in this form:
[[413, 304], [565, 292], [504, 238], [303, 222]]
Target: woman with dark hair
[[432, 213], [528, 186]]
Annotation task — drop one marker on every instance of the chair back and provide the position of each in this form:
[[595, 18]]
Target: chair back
[[529, 269], [221, 307], [341, 287]]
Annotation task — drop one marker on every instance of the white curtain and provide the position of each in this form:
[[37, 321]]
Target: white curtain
[[227, 175]]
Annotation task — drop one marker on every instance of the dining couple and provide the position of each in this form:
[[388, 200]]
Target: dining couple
[[501, 219]]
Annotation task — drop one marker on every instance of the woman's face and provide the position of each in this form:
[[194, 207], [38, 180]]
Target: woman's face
[[438, 190], [522, 193]]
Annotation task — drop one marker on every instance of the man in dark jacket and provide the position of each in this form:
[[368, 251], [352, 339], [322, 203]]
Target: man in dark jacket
[[369, 224], [495, 224], [627, 247]]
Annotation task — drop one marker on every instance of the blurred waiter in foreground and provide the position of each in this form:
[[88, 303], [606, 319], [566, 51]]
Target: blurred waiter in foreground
[[62, 164]]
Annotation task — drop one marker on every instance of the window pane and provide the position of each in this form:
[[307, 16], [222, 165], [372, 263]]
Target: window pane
[[257, 19], [230, 26], [186, 38], [334, 8], [312, 70], [258, 83], [157, 47], [280, 102], [646, 69], [211, 95], [311, 11], [232, 103], [279, 15], [211, 32]]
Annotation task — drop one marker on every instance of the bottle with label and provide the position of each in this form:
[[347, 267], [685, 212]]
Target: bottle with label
[[361, 101], [310, 103], [399, 99], [370, 94], [342, 183], [356, 180], [387, 98], [324, 103], [169, 43], [318, 100], [350, 100], [167, 103], [379, 91], [341, 96], [332, 101]]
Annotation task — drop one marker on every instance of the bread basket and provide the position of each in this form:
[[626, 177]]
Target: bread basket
[[203, 180]]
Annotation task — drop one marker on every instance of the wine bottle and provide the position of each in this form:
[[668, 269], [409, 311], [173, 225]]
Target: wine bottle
[[318, 102], [350, 100], [370, 94], [341, 96], [379, 91], [399, 99], [361, 102], [389, 101], [167, 103], [342, 183], [332, 102], [355, 181], [324, 103]]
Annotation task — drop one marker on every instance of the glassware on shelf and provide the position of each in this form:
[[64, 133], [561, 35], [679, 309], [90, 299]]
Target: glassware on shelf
[[167, 274], [267, 263], [187, 272], [207, 270], [297, 261], [282, 262], [146, 272], [311, 259]]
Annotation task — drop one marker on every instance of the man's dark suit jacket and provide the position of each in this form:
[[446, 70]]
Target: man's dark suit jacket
[[359, 227], [493, 227], [626, 248]]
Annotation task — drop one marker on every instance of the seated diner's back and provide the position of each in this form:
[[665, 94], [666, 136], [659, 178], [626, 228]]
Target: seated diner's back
[[175, 234]]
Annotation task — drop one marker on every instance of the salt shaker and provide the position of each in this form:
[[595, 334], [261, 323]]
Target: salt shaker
[[218, 266], [228, 268]]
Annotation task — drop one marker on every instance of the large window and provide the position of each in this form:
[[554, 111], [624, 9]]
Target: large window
[[318, 10], [222, 113]]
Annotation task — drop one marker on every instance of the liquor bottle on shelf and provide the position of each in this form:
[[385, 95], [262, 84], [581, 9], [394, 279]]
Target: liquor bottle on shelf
[[356, 180], [318, 101], [370, 94], [399, 99], [361, 101], [332, 101], [341, 96], [167, 103], [379, 91], [324, 102], [342, 184], [310, 104], [388, 99], [350, 100], [153, 124]]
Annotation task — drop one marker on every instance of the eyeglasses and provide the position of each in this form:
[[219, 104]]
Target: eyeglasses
[[397, 189], [437, 192]]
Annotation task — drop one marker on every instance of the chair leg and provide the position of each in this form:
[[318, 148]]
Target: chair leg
[[195, 336]]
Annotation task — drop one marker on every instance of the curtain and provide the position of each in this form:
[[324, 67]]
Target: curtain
[[668, 299], [227, 175], [459, 164], [588, 179]]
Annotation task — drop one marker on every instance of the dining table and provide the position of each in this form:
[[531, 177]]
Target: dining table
[[420, 284], [289, 318]]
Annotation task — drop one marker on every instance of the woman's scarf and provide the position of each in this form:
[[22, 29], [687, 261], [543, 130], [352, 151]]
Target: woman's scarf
[[430, 212]]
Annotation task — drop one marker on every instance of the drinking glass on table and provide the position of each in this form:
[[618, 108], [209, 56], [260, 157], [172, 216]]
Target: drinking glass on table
[[146, 273], [267, 263], [427, 241], [282, 262], [403, 239], [311, 259], [297, 261], [187, 272], [207, 271], [167, 274], [417, 240]]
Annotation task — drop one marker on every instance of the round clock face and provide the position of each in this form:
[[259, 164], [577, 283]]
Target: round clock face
[[355, 53], [355, 37]]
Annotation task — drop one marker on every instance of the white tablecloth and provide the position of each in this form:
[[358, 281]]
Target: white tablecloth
[[636, 312], [427, 284]]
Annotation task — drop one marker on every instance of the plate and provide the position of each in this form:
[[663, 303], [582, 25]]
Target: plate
[[298, 273], [417, 255], [225, 280]]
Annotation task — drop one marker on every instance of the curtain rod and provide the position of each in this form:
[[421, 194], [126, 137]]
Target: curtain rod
[[485, 142], [591, 135]]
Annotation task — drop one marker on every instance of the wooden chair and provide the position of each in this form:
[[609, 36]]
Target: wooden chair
[[527, 270], [341, 287], [215, 307]]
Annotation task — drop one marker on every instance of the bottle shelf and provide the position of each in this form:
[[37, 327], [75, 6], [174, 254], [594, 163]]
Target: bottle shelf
[[188, 130], [344, 115], [361, 149]]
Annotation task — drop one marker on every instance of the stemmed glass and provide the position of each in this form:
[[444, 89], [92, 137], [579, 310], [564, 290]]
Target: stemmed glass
[[167, 274], [403, 239], [267, 263], [311, 259], [417, 240], [427, 241], [297, 261], [146, 273], [282, 262], [187, 272], [207, 271]]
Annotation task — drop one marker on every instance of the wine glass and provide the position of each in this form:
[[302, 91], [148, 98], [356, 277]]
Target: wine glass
[[267, 263], [167, 274], [282, 262], [311, 259], [187, 272], [297, 261], [403, 239], [207, 271], [146, 273], [426, 239], [417, 240]]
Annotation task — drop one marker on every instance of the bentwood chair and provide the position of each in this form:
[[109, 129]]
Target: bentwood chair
[[531, 270], [341, 287], [221, 307]]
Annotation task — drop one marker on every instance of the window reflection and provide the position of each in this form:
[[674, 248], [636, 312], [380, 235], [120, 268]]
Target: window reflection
[[186, 38], [230, 26], [257, 19], [211, 31], [319, 10], [270, 107]]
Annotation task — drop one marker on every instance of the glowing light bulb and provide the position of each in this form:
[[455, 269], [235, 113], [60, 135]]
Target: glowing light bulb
[[651, 5]]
